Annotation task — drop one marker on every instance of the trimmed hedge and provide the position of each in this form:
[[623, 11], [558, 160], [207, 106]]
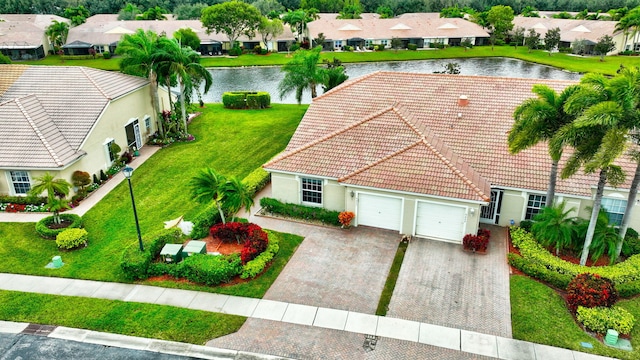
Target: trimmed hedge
[[246, 100], [535, 257], [539, 271], [45, 232], [600, 319], [257, 180], [23, 200], [136, 264], [300, 211], [72, 238], [254, 267], [209, 269]]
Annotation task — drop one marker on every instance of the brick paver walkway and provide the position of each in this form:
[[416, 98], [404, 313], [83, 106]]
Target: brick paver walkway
[[442, 285]]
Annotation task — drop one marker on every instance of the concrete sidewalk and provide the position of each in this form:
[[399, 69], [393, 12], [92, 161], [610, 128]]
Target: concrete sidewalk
[[465, 341]]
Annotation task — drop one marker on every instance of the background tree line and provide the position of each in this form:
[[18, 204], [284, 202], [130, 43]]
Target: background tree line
[[393, 7]]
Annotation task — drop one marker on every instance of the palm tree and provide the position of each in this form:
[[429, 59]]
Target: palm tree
[[57, 33], [237, 196], [629, 23], [56, 205], [184, 62], [299, 19], [554, 227], [137, 52], [302, 72], [208, 185], [539, 119], [54, 188]]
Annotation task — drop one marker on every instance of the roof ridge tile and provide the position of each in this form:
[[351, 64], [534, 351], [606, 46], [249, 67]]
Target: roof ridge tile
[[383, 159], [92, 80], [36, 129]]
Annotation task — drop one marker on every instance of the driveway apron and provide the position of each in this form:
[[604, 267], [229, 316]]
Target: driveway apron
[[442, 285]]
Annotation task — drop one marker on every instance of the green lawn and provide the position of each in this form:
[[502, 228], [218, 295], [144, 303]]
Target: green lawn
[[540, 315], [135, 319], [564, 61], [233, 142]]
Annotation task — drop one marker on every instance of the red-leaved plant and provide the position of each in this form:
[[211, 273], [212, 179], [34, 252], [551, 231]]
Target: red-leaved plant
[[478, 242], [255, 239], [590, 290]]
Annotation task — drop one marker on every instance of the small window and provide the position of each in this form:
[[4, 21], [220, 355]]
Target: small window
[[147, 123], [615, 209], [534, 205], [338, 43], [110, 154], [384, 42], [21, 182], [312, 191]]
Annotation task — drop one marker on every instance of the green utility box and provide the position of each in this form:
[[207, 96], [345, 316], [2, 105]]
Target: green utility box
[[171, 253], [194, 247]]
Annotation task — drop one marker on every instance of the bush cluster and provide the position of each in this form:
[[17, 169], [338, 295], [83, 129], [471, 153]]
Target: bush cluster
[[254, 267], [208, 269], [42, 226], [246, 100], [23, 200], [625, 275], [478, 242], [600, 319], [257, 180], [300, 211], [590, 290], [255, 239], [136, 264], [412, 46], [72, 238], [631, 245]]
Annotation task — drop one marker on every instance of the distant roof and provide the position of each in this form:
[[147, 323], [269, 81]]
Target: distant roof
[[46, 112], [570, 30], [408, 132], [19, 31]]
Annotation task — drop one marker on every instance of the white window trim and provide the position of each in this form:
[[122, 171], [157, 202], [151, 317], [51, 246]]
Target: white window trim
[[615, 198], [322, 186], [105, 147], [526, 204], [12, 190]]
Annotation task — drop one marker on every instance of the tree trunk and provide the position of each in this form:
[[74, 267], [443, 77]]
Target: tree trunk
[[551, 190], [594, 217], [220, 212], [314, 92], [168, 84], [631, 200], [155, 101], [183, 109]]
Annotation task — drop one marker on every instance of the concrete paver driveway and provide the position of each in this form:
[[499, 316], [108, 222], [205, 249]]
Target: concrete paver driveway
[[442, 285]]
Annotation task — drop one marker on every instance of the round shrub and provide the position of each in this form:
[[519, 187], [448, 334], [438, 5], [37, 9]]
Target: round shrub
[[42, 226], [80, 178], [106, 55], [412, 46], [590, 290], [72, 238]]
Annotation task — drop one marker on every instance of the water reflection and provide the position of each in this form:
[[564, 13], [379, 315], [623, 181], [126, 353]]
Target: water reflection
[[268, 78]]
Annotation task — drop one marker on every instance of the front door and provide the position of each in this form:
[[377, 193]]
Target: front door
[[132, 130], [489, 214]]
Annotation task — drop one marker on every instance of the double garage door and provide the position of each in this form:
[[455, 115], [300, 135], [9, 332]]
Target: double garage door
[[433, 220]]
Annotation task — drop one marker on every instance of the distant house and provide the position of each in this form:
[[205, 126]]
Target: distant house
[[103, 32], [426, 155], [22, 37], [589, 31], [422, 29], [62, 119]]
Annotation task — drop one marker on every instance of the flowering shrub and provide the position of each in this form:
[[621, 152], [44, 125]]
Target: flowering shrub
[[590, 290], [346, 217], [600, 319], [254, 238], [478, 242]]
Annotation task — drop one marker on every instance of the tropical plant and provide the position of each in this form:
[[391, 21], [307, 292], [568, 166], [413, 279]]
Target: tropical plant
[[153, 13], [298, 21], [137, 51], [56, 189], [529, 11], [554, 227], [539, 119], [129, 12], [56, 206], [187, 37], [237, 196], [629, 24], [172, 59], [232, 18], [335, 74], [77, 14], [605, 237], [209, 185], [57, 33], [302, 72], [351, 10]]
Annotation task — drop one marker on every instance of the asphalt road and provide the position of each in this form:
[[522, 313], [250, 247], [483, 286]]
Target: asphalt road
[[36, 347]]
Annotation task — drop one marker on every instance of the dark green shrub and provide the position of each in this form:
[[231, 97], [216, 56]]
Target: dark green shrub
[[257, 180], [539, 271], [96, 180], [42, 226], [526, 225], [106, 55], [300, 211], [72, 238], [294, 47], [246, 100], [412, 46], [628, 289], [103, 176], [235, 51], [631, 245], [210, 270], [233, 100], [23, 200], [136, 264], [264, 51], [257, 49], [260, 100]]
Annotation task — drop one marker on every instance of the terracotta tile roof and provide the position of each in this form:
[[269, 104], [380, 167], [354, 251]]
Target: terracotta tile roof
[[73, 98], [476, 134]]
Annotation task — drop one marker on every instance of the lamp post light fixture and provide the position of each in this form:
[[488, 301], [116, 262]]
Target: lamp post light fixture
[[128, 171]]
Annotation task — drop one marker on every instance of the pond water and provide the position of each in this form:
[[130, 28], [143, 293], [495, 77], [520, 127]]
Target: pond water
[[268, 78]]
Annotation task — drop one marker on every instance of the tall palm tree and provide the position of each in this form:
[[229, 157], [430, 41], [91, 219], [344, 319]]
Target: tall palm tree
[[298, 20], [57, 32], [597, 138], [539, 119], [137, 51], [184, 62], [237, 195], [208, 185], [302, 72], [54, 188], [630, 23]]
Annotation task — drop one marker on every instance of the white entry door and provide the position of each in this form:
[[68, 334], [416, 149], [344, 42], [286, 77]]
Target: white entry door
[[440, 221], [379, 211], [136, 132]]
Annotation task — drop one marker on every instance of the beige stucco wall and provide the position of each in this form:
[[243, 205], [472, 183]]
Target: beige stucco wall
[[110, 126]]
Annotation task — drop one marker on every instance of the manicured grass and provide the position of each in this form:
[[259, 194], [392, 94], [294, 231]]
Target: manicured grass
[[390, 284], [136, 319], [234, 142], [564, 61], [540, 315]]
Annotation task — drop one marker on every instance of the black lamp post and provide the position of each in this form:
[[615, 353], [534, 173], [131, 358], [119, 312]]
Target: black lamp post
[[128, 171]]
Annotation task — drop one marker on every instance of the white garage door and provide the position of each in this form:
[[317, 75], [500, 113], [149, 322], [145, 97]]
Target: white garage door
[[379, 211], [440, 221]]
